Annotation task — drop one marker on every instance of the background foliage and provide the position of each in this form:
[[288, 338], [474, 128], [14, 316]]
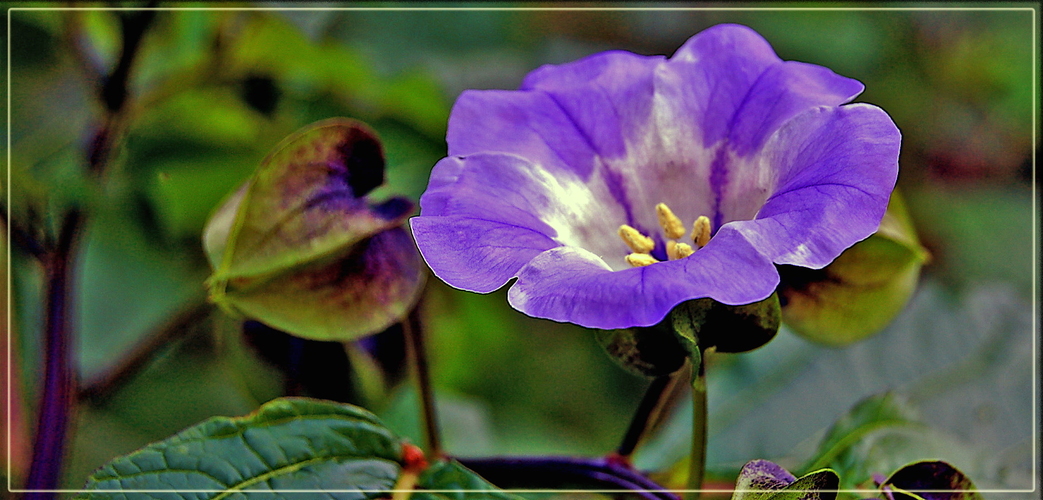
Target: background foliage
[[213, 91]]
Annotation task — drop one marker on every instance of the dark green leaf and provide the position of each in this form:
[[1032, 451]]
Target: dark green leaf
[[452, 481], [742, 328], [290, 443], [299, 444], [650, 351]]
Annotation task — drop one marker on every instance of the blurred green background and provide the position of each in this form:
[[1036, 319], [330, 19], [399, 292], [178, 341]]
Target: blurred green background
[[213, 91]]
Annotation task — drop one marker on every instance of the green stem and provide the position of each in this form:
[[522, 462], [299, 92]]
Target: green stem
[[413, 331], [697, 463]]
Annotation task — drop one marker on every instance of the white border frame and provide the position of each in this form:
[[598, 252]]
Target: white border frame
[[1035, 224]]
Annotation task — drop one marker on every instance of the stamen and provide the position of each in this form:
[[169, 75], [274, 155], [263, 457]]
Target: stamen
[[701, 231], [682, 250], [637, 242], [640, 259], [671, 224]]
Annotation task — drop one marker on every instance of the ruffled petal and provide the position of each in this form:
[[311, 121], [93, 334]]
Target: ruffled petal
[[474, 254], [780, 93], [707, 79], [573, 285], [834, 170]]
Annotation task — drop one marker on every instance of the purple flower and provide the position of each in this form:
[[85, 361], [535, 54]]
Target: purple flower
[[576, 183]]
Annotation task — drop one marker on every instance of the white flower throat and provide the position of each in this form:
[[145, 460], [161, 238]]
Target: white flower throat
[[673, 228]]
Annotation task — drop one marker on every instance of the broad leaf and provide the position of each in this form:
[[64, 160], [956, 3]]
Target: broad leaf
[[287, 444], [861, 291], [305, 445]]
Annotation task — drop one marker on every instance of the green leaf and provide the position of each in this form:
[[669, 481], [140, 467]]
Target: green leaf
[[764, 480], [861, 291], [918, 479], [869, 415], [452, 481], [818, 485], [300, 248], [290, 443], [339, 450]]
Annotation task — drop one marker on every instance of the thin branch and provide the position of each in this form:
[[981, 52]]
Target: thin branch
[[412, 328], [102, 387], [21, 238], [642, 417]]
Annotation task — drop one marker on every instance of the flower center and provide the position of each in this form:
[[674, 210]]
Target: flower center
[[673, 228]]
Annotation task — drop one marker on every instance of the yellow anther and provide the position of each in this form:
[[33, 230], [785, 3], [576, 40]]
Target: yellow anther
[[701, 231], [682, 250], [640, 259], [637, 242], [672, 226]]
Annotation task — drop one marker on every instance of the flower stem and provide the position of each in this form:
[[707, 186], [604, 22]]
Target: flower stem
[[697, 463], [412, 328], [639, 424]]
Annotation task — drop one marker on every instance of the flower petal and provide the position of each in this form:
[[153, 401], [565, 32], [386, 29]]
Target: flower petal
[[783, 91], [708, 78], [514, 191], [835, 169], [573, 285], [474, 254], [563, 115]]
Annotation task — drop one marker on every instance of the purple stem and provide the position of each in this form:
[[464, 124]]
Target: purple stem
[[59, 383], [559, 472]]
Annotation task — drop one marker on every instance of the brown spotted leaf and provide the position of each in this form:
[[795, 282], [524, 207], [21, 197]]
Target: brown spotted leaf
[[930, 480]]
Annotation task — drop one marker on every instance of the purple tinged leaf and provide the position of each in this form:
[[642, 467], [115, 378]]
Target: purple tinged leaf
[[931, 480], [759, 478], [764, 480], [363, 292], [300, 248], [303, 202]]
